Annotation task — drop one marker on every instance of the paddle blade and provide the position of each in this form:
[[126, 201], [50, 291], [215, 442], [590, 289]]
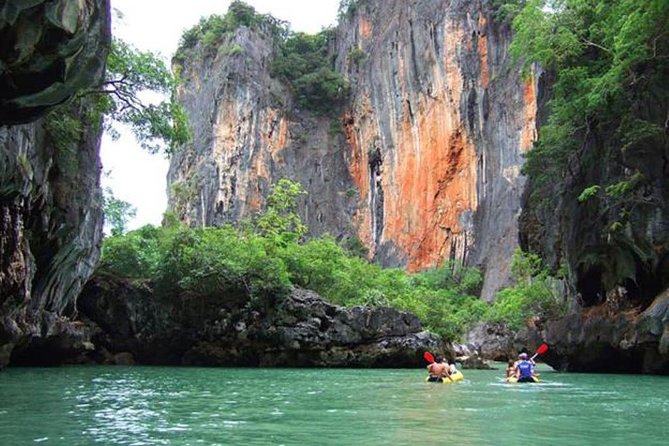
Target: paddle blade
[[543, 348], [428, 357]]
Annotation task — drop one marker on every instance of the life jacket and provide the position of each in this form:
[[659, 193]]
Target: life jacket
[[525, 368]]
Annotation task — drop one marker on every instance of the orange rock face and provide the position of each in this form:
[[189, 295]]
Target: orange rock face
[[529, 130], [483, 51], [430, 178]]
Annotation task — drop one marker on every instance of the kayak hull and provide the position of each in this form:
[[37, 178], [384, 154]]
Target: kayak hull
[[456, 377], [514, 380]]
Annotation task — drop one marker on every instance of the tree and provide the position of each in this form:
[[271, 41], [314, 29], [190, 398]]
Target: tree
[[609, 102], [130, 78], [280, 219], [117, 213]]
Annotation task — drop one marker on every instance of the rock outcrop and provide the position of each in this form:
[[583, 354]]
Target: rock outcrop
[[50, 201], [427, 166], [302, 330], [50, 51], [606, 340]]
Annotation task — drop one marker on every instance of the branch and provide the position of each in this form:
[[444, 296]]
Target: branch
[[596, 45]]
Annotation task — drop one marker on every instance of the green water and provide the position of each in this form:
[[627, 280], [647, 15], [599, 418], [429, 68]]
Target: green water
[[214, 406]]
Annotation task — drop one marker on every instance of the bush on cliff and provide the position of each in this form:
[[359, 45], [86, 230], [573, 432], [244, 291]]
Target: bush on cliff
[[302, 59], [209, 32], [533, 295]]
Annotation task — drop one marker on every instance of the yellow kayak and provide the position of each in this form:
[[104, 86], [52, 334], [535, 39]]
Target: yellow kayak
[[514, 380], [457, 376]]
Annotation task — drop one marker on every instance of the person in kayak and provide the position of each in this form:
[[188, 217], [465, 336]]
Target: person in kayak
[[451, 367], [438, 371], [524, 369], [510, 368]]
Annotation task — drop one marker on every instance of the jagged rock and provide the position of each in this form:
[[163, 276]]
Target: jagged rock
[[473, 361], [427, 164], [600, 340], [124, 358], [492, 341], [50, 51], [302, 330]]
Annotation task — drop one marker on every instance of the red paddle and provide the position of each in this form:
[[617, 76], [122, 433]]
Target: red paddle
[[543, 348], [428, 357]]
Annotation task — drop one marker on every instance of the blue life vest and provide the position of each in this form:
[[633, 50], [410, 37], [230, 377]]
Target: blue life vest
[[525, 368]]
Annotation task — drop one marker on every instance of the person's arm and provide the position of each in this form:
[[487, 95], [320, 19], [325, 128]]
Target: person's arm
[[447, 372]]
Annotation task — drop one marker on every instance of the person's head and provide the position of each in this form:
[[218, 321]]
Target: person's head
[[511, 362], [523, 356], [439, 359]]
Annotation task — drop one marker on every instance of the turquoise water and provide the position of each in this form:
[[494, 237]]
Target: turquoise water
[[215, 406]]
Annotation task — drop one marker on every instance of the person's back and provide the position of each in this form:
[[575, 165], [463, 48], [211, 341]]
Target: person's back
[[437, 371], [524, 369]]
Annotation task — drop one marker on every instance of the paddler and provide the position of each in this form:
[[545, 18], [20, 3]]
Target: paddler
[[438, 370]]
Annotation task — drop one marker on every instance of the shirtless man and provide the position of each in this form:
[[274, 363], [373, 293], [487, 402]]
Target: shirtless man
[[438, 371]]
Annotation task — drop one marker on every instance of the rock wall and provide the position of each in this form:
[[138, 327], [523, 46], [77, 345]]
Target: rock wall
[[50, 51], [50, 201], [607, 340], [427, 168], [131, 324]]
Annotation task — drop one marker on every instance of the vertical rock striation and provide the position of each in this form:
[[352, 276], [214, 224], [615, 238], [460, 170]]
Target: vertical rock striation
[[427, 168], [438, 124], [50, 210]]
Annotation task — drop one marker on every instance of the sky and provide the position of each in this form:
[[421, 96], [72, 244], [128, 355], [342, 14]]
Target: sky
[[133, 174]]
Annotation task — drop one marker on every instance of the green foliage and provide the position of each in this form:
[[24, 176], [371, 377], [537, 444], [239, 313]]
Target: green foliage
[[335, 127], [356, 55], [588, 193], [231, 50], [116, 212], [217, 261], [133, 255], [280, 220], [533, 295], [609, 103], [302, 60], [442, 298], [321, 91], [64, 130], [259, 264], [348, 8], [131, 72], [507, 10], [210, 31]]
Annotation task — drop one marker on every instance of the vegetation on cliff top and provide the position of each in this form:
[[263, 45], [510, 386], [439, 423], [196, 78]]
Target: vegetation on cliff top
[[266, 256], [300, 59], [609, 104]]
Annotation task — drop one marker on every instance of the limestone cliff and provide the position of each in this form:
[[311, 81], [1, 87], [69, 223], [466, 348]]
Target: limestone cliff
[[50, 210], [427, 167]]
